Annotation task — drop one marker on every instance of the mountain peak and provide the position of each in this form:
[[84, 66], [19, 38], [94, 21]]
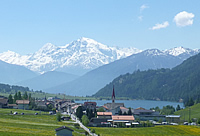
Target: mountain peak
[[153, 52], [177, 51]]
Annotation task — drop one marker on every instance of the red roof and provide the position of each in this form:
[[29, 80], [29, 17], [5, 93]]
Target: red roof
[[22, 101], [123, 108], [121, 117], [104, 113]]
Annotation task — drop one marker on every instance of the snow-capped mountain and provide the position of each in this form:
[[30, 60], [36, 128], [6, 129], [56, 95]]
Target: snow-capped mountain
[[84, 53]]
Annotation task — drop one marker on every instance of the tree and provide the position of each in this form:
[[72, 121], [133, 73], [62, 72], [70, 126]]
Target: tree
[[10, 99], [129, 111], [29, 96], [15, 97], [25, 96], [178, 107], [87, 112], [19, 96], [91, 114], [58, 116], [85, 120], [101, 109], [79, 112], [125, 113], [120, 112], [198, 121]]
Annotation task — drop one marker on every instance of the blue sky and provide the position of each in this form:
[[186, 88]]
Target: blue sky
[[26, 25]]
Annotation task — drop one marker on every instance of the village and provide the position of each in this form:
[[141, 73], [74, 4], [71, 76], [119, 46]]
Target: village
[[108, 115]]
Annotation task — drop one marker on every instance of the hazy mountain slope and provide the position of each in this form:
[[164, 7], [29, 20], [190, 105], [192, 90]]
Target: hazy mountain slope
[[47, 80], [165, 84], [77, 57], [94, 80], [10, 73]]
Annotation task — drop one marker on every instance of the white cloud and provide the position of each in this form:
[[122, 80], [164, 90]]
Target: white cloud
[[159, 26], [140, 18], [184, 19], [143, 7]]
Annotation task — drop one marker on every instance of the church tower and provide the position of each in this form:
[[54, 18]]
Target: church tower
[[113, 95]]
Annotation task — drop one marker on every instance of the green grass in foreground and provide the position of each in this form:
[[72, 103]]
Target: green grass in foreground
[[150, 131], [31, 125], [194, 112]]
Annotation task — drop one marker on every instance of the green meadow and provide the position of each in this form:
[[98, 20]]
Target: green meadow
[[193, 110], [32, 125], [45, 125], [150, 131]]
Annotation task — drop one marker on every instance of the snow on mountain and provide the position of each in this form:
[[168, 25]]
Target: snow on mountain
[[178, 50], [84, 53]]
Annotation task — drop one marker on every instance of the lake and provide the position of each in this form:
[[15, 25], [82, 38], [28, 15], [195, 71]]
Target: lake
[[147, 104]]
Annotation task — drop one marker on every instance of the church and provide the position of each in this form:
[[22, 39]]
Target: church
[[113, 107]]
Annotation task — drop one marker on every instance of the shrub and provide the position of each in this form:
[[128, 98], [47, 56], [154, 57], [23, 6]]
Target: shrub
[[58, 116], [93, 130]]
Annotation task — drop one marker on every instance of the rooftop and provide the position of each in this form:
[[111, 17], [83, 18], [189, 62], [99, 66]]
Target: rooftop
[[104, 113], [22, 101], [120, 117], [63, 127]]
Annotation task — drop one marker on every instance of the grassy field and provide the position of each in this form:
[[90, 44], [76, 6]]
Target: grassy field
[[194, 112], [150, 131], [30, 124]]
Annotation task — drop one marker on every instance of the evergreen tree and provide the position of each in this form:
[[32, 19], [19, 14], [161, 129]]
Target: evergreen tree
[[95, 112], [29, 96], [15, 97], [25, 96], [79, 112], [87, 112], [129, 111], [10, 99], [120, 112], [125, 113], [178, 108], [19, 96]]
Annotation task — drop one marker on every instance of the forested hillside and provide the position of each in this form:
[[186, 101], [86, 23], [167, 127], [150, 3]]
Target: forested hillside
[[5, 88], [174, 84]]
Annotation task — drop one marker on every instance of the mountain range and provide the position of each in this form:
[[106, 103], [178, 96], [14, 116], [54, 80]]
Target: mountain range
[[98, 64], [77, 57], [96, 79], [180, 82]]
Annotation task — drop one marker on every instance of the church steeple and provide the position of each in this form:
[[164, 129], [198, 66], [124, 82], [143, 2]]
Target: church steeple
[[113, 95]]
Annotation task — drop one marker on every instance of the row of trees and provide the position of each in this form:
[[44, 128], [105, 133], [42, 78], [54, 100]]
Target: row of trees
[[18, 96], [166, 110]]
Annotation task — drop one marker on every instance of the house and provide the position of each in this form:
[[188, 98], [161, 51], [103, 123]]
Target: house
[[90, 105], [12, 106], [23, 104], [122, 120], [144, 114], [63, 131], [173, 118], [3, 102], [99, 122]]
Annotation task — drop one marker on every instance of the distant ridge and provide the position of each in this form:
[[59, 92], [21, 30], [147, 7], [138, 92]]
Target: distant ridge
[[178, 83], [10, 73]]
